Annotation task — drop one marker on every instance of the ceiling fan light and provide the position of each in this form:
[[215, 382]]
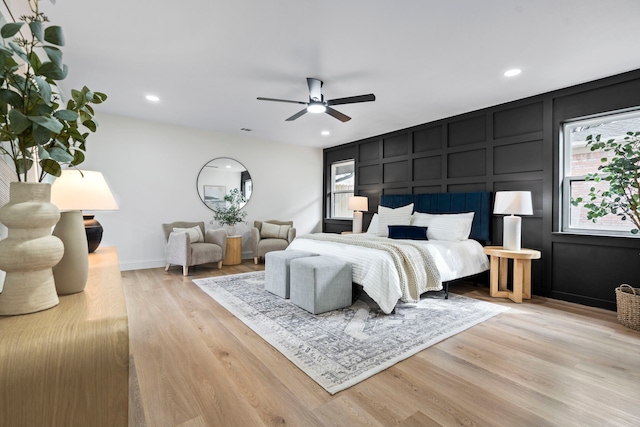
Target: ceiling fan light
[[316, 108]]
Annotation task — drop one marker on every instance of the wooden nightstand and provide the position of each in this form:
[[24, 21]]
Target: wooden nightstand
[[521, 272], [233, 253]]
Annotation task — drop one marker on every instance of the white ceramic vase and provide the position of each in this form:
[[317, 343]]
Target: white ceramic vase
[[29, 252], [231, 230]]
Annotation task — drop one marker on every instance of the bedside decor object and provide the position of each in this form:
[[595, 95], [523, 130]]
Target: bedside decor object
[[232, 214], [521, 272], [512, 203], [73, 191], [358, 204], [29, 252]]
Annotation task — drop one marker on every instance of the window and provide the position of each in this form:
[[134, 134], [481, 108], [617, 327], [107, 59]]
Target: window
[[579, 161], [342, 187]]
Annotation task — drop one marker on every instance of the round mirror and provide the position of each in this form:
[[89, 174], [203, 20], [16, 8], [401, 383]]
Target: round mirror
[[218, 177]]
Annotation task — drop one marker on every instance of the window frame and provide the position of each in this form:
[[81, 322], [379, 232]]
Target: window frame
[[566, 180], [332, 190]]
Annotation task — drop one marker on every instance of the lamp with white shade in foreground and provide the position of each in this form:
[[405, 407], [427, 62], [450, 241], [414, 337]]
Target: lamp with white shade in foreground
[[512, 203], [72, 192], [358, 204]]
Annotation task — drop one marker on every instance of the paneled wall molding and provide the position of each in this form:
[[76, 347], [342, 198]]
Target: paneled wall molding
[[511, 146]]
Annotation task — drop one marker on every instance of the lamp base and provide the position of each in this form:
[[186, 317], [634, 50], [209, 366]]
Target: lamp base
[[94, 232], [357, 222], [512, 232], [71, 273]]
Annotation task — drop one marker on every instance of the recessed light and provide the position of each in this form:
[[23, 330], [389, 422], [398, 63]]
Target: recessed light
[[325, 133], [513, 72], [152, 98]]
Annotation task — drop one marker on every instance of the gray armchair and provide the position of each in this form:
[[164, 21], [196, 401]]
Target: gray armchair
[[194, 245], [274, 236]]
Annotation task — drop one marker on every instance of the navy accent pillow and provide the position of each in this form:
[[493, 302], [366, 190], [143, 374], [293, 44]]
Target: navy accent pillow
[[411, 232]]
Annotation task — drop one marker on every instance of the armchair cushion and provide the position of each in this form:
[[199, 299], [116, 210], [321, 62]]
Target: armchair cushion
[[195, 234], [274, 231]]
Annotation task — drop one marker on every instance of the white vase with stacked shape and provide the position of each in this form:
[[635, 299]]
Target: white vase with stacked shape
[[29, 252]]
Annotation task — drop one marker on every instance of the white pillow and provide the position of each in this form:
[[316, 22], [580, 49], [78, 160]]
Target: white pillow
[[451, 227], [389, 216], [195, 233], [373, 225]]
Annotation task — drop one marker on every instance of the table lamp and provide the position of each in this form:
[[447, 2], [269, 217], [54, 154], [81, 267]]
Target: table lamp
[[72, 192], [358, 204], [512, 203]]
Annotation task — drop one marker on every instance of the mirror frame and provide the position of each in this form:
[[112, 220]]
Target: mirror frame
[[216, 189]]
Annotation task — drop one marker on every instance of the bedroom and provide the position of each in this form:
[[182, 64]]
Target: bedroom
[[162, 160]]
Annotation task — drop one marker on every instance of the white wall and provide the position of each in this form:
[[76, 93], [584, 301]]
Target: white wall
[[152, 170]]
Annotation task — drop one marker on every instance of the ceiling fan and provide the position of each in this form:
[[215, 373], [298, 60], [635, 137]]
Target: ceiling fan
[[317, 104]]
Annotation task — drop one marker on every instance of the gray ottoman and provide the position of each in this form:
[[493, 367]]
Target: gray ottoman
[[276, 266], [320, 283]]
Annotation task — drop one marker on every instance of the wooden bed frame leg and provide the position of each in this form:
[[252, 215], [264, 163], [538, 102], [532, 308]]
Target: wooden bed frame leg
[[446, 290]]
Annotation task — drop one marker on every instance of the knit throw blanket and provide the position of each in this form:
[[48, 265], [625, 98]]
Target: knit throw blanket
[[416, 268]]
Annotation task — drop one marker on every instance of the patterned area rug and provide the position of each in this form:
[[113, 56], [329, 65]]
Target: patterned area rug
[[343, 347]]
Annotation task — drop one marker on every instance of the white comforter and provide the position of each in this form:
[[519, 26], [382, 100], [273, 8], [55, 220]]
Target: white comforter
[[375, 271]]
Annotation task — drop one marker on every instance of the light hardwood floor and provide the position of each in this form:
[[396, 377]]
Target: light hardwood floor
[[542, 363]]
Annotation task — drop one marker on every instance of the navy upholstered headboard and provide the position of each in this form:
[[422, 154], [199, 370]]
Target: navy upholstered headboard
[[440, 203]]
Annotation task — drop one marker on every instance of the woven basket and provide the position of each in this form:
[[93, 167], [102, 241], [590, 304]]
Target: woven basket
[[628, 301]]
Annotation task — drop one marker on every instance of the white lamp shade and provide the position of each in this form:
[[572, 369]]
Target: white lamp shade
[[358, 203], [86, 190], [513, 203]]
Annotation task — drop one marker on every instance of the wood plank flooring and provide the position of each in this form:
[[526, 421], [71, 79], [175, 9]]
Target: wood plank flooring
[[542, 363]]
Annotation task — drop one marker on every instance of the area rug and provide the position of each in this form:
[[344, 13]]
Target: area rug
[[343, 347]]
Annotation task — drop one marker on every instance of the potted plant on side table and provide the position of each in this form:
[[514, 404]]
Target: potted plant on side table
[[620, 168], [231, 213], [37, 134]]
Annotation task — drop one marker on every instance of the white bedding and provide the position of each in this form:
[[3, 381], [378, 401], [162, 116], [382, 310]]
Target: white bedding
[[375, 271]]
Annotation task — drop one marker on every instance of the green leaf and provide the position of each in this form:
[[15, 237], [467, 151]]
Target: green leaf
[[66, 115], [54, 54], [91, 125], [51, 167], [11, 97], [10, 29], [41, 135], [52, 71], [44, 90], [60, 155], [52, 124], [18, 121], [78, 157], [37, 30], [54, 35]]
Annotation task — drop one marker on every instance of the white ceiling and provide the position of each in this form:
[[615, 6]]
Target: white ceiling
[[424, 60]]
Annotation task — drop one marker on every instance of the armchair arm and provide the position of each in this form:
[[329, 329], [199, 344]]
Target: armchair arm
[[291, 235], [255, 239], [218, 237], [178, 249]]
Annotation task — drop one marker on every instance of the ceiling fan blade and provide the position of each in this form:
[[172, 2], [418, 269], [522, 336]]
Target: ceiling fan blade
[[281, 100], [315, 89], [338, 115], [296, 115], [352, 99]]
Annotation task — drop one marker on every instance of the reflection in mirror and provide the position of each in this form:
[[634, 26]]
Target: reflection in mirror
[[218, 177]]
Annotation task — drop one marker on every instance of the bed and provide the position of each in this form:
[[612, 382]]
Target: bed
[[392, 268]]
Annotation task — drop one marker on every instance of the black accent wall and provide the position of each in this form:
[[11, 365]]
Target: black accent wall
[[513, 146]]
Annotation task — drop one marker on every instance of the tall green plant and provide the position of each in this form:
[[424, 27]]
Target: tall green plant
[[621, 171], [34, 127], [232, 214]]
